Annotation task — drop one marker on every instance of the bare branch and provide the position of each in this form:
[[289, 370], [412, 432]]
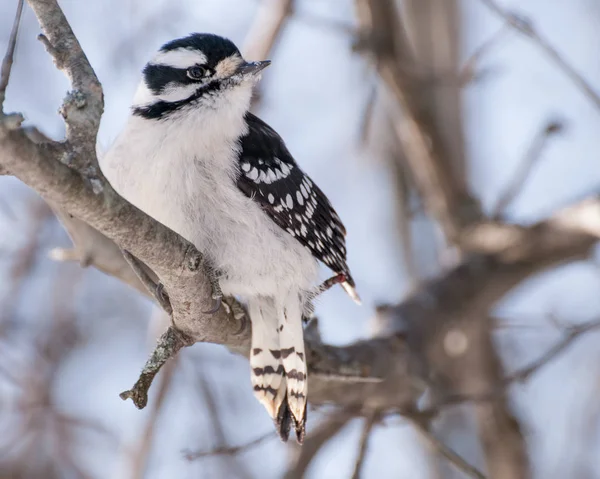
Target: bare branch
[[90, 247], [266, 31], [168, 346], [572, 334], [7, 62], [533, 155], [84, 105], [468, 71], [526, 28], [363, 444], [267, 26], [144, 447], [383, 39], [156, 290], [315, 440], [366, 118], [523, 374], [230, 450], [449, 454]]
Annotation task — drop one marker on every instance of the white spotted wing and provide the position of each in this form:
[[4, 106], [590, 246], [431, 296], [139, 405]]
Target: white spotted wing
[[270, 176]]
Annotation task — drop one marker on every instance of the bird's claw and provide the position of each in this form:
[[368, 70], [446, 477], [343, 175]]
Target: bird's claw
[[217, 294], [161, 295], [218, 301]]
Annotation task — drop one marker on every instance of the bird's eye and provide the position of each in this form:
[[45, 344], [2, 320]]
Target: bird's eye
[[196, 72]]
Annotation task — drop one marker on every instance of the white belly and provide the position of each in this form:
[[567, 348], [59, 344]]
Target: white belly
[[199, 200]]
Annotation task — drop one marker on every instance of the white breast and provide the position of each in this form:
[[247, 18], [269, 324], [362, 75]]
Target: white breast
[[182, 173]]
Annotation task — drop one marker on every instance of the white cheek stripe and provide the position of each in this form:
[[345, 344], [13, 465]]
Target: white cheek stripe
[[144, 96], [179, 58], [176, 92]]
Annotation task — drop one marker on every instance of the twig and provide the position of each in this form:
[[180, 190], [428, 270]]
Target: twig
[[84, 105], [7, 62], [448, 453], [467, 71], [533, 155], [266, 28], [230, 464], [403, 190], [363, 444], [315, 440], [366, 119], [144, 448], [265, 31], [168, 346], [230, 450], [573, 333], [520, 375], [156, 290], [24, 262], [384, 40], [525, 27]]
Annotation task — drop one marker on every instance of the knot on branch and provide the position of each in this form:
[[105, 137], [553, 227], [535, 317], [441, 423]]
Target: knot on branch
[[12, 121], [193, 259], [74, 99], [97, 186]]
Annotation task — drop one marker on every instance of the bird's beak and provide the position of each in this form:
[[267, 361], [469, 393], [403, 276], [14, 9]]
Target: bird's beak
[[252, 68]]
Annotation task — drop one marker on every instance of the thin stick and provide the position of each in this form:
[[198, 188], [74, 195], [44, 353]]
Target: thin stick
[[573, 333], [7, 62], [230, 450], [363, 445], [142, 452], [532, 157], [156, 290], [526, 28], [329, 428], [168, 346], [452, 457], [520, 375], [265, 32], [467, 71]]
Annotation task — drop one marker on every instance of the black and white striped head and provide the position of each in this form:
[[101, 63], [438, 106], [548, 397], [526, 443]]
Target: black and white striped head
[[200, 71]]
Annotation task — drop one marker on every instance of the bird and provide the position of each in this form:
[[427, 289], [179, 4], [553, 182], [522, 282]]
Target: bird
[[193, 157]]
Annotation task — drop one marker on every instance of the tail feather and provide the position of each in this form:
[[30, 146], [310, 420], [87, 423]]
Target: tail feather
[[267, 371], [278, 362], [291, 340], [283, 421]]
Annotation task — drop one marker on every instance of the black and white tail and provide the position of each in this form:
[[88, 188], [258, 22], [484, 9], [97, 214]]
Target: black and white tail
[[278, 361]]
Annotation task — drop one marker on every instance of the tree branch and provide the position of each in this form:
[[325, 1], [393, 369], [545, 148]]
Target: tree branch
[[330, 427], [168, 346], [363, 444], [384, 41], [532, 157], [84, 105], [7, 62], [230, 450], [452, 457], [526, 28]]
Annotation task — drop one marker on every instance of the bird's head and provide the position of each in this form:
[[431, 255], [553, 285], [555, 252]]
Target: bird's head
[[200, 71]]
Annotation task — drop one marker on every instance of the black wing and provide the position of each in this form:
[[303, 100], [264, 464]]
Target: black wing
[[270, 176]]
